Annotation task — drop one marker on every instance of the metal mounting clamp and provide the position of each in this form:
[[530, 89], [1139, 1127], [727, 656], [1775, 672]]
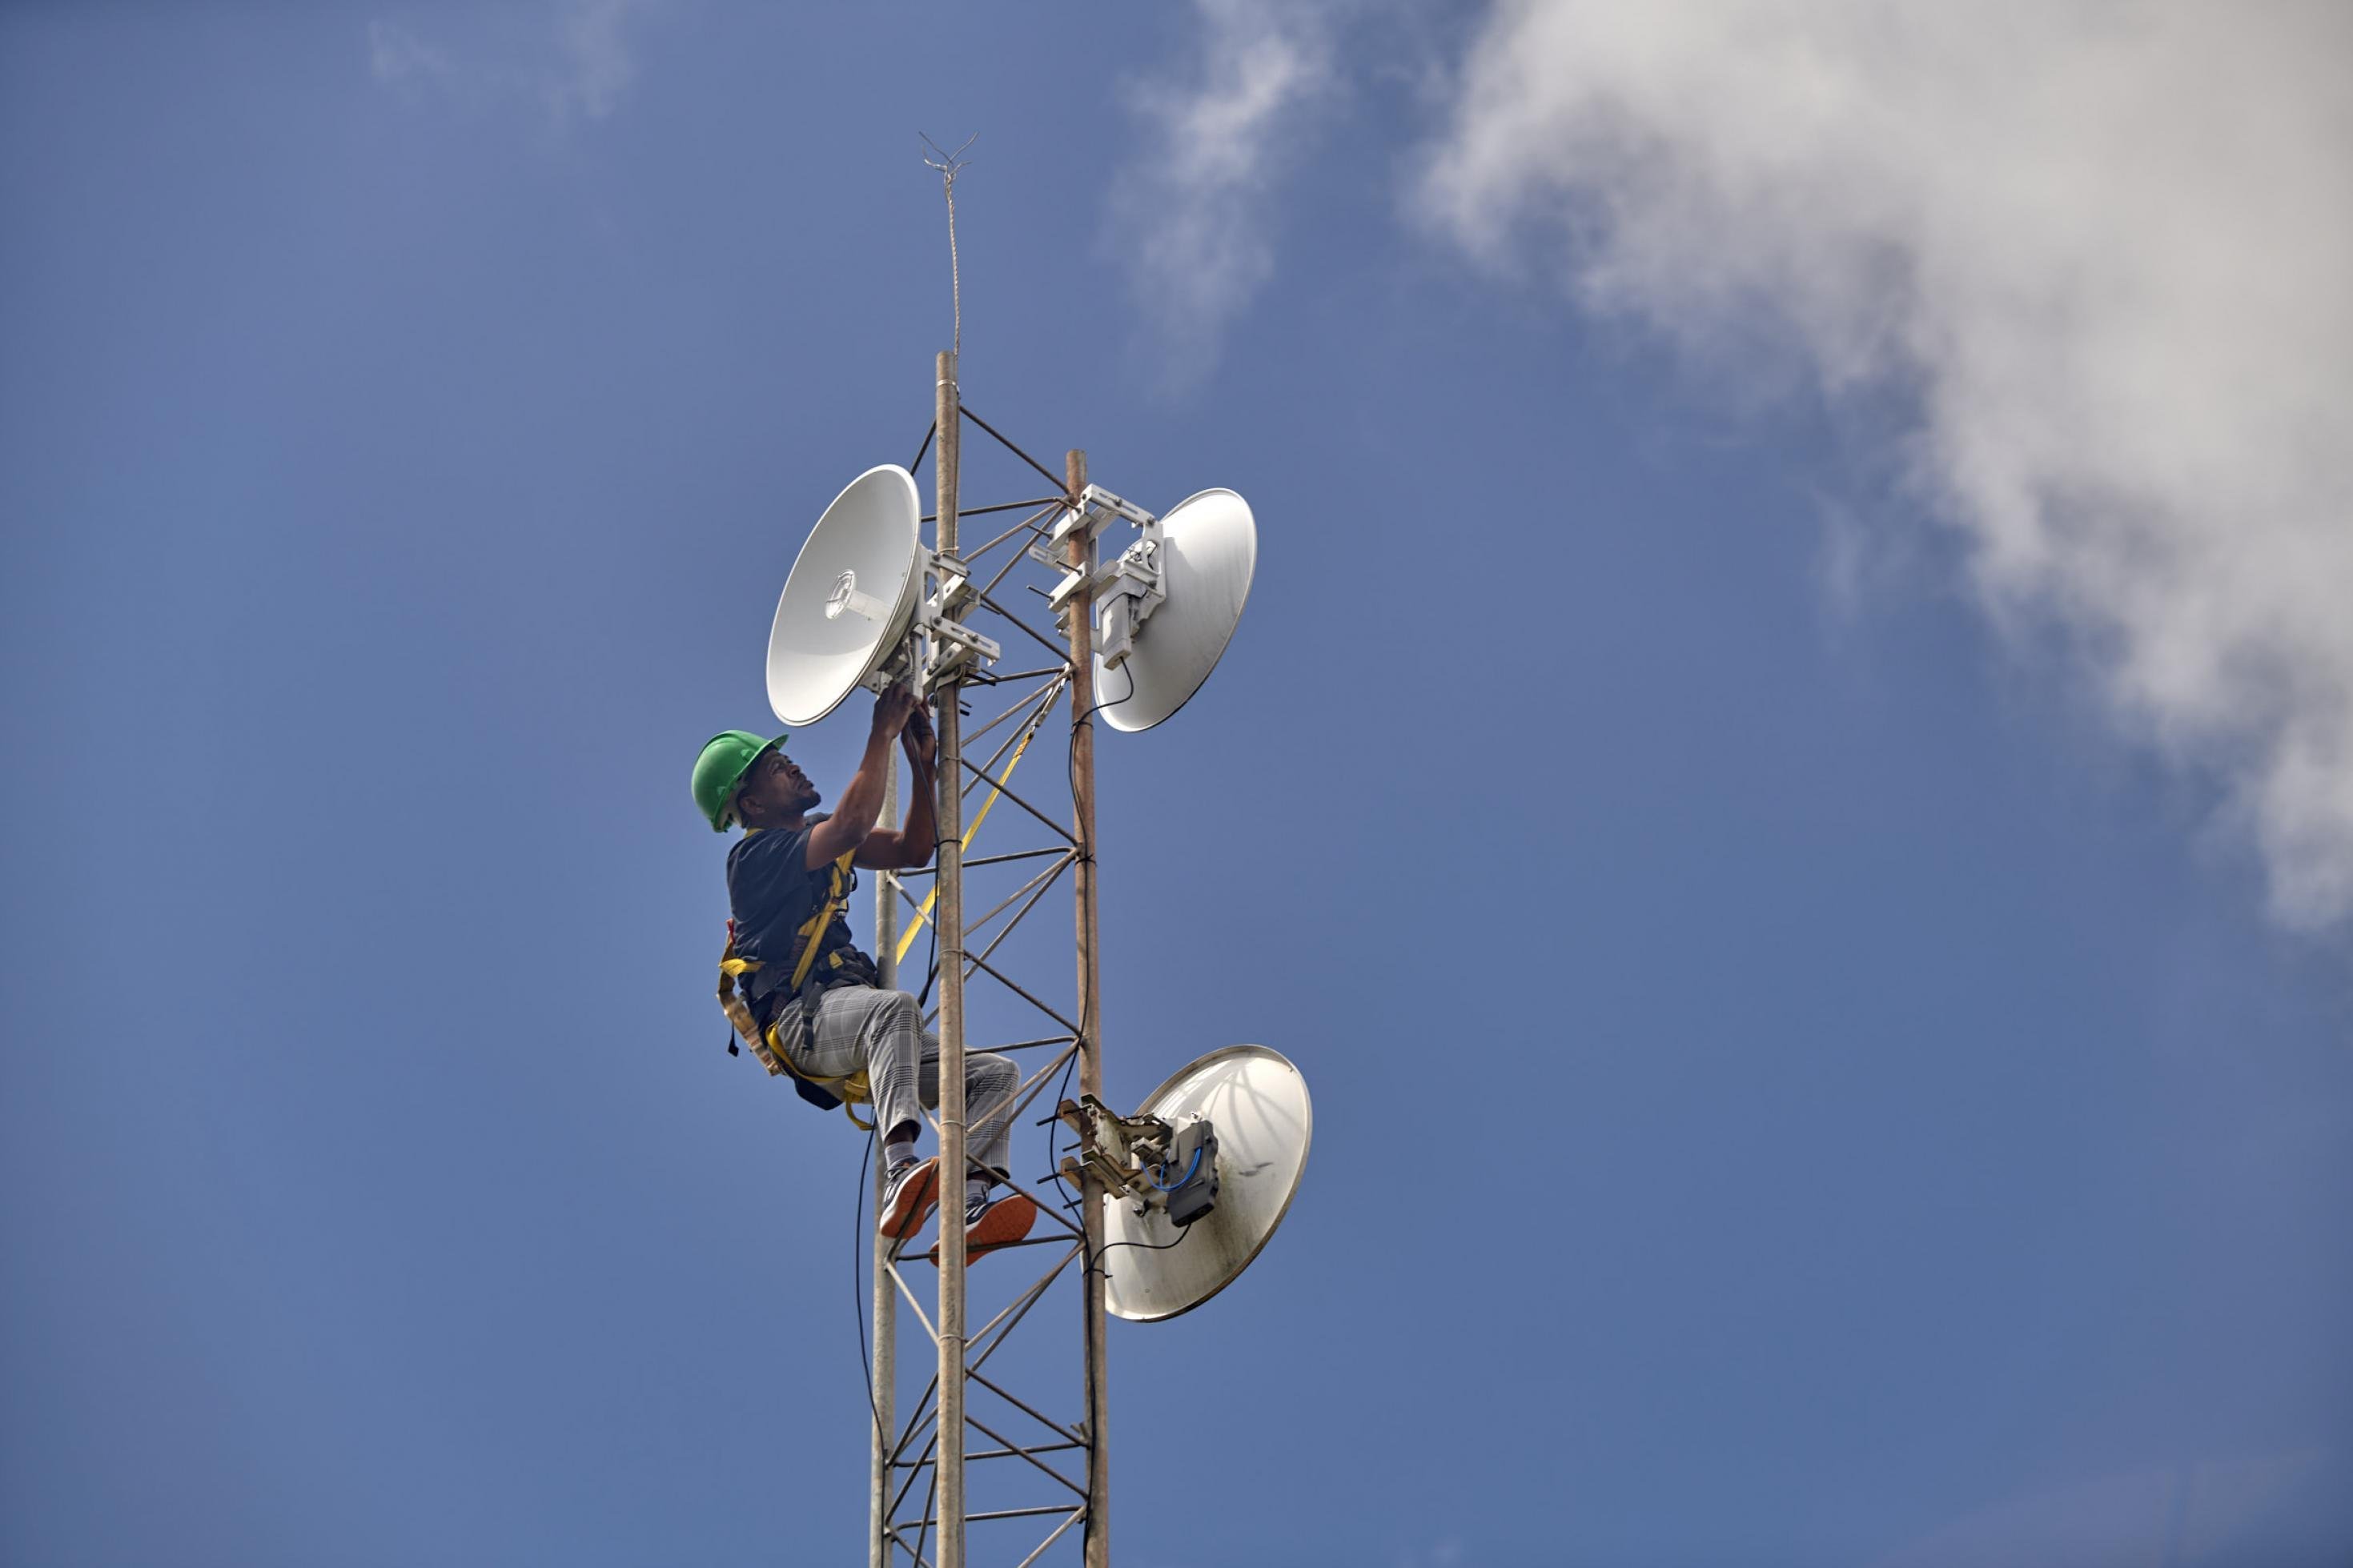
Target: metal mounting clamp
[[1128, 588], [1096, 509], [944, 643]]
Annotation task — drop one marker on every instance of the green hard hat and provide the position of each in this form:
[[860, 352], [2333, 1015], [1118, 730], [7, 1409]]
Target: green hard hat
[[725, 758]]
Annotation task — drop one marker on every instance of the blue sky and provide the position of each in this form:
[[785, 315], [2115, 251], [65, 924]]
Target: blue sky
[[1839, 635]]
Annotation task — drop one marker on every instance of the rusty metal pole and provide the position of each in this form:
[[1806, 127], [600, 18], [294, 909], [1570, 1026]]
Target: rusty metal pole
[[885, 1374], [948, 922], [1083, 802]]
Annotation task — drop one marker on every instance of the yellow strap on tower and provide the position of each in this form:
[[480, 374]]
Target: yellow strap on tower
[[907, 941]]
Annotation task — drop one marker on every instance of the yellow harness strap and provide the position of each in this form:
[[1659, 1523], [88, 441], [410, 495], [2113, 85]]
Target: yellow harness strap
[[851, 1089], [811, 935]]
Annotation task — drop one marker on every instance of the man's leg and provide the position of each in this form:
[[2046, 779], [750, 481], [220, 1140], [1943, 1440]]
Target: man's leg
[[882, 1031], [990, 1082], [989, 1085]]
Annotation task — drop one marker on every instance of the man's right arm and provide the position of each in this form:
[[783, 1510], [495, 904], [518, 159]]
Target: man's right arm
[[860, 805]]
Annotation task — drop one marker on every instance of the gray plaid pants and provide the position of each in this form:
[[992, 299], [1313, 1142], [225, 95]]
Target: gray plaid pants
[[882, 1031]]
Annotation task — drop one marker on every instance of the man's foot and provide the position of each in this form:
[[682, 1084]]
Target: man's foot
[[908, 1198], [992, 1223]]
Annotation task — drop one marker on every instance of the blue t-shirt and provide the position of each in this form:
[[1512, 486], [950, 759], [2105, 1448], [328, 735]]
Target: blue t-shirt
[[772, 893]]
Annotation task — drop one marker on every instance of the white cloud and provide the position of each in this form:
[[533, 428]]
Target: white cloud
[[397, 54], [2102, 250], [597, 67], [1193, 215], [571, 60]]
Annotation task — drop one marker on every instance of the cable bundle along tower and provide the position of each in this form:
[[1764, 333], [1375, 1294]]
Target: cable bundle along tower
[[1185, 1191]]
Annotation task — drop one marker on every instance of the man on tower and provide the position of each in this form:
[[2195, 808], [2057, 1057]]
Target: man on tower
[[811, 1006]]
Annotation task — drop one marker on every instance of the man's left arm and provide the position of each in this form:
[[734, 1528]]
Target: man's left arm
[[908, 847]]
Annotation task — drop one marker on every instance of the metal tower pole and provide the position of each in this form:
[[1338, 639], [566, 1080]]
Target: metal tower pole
[[1083, 801], [926, 1507], [884, 1377], [949, 925]]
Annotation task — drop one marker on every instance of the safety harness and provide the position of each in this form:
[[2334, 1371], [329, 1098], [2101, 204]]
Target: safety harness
[[844, 965]]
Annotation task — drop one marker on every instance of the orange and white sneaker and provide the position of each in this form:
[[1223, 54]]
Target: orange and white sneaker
[[908, 1199], [990, 1223]]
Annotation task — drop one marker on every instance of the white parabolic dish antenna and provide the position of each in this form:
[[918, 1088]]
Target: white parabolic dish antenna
[[1257, 1103], [851, 595], [1209, 551]]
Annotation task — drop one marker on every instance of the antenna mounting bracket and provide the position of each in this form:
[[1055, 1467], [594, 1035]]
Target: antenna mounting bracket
[[1128, 588], [1145, 1159]]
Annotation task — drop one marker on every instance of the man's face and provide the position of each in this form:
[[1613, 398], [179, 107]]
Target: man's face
[[777, 786]]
